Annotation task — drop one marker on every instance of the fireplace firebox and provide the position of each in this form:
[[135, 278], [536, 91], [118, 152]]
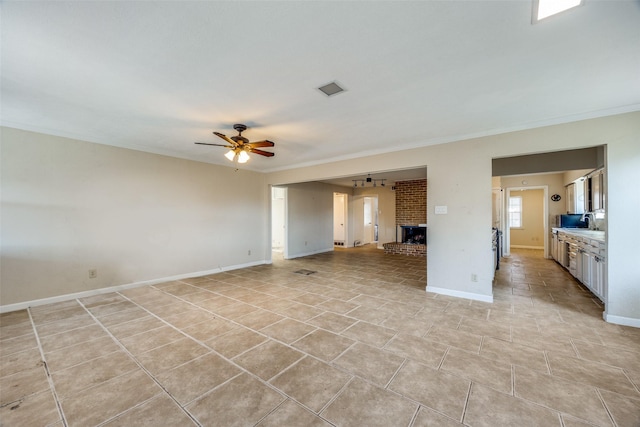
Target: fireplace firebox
[[412, 235]]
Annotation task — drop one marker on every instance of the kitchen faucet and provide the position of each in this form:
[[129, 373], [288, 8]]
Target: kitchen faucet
[[591, 220]]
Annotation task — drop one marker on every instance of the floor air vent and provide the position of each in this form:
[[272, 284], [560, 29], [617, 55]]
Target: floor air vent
[[305, 272]]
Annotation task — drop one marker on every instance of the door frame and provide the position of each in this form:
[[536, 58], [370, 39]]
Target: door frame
[[285, 246], [545, 217], [345, 212]]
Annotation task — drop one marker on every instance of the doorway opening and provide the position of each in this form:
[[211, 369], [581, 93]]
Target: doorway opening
[[526, 222], [340, 219], [279, 220], [370, 219]]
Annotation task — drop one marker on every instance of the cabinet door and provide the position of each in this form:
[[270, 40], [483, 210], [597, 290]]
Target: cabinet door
[[597, 276], [599, 279], [596, 192], [587, 261], [586, 199], [571, 202], [579, 259]]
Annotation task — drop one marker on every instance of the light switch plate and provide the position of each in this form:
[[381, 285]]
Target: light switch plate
[[441, 210]]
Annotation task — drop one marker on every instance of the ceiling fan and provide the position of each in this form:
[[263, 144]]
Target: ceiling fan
[[240, 147]]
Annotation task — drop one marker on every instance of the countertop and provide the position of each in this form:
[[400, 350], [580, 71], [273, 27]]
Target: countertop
[[584, 232]]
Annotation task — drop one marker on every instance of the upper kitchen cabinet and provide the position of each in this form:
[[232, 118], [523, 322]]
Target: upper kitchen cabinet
[[596, 195], [575, 197]]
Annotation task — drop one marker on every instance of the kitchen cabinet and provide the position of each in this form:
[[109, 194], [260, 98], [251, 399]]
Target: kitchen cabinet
[[598, 278], [574, 194], [570, 192], [563, 250], [587, 265], [596, 194], [583, 254], [579, 261]]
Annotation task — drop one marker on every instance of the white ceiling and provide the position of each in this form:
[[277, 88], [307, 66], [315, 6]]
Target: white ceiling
[[157, 76]]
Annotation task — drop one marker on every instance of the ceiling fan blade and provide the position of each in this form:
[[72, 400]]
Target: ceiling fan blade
[[262, 153], [216, 145], [226, 138], [265, 143]]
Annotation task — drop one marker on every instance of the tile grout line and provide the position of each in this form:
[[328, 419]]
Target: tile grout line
[[606, 408], [415, 415], [140, 366], [46, 369], [395, 374], [335, 397], [466, 402], [241, 368], [547, 362]]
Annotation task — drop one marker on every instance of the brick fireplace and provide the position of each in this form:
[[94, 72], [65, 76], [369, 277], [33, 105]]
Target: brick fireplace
[[411, 216]]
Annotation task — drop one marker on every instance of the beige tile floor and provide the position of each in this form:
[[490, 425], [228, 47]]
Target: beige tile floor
[[358, 343]]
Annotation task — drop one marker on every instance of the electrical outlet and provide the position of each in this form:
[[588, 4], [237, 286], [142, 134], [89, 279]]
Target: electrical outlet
[[249, 252], [474, 277], [93, 273], [305, 243]]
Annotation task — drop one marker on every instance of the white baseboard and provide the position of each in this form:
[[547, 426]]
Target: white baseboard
[[460, 294], [624, 321], [319, 251], [527, 247], [66, 297]]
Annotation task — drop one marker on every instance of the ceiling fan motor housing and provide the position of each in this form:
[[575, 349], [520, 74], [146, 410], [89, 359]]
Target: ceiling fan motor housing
[[240, 127]]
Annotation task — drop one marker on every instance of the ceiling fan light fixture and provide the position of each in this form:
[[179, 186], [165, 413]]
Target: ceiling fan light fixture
[[240, 147], [243, 157]]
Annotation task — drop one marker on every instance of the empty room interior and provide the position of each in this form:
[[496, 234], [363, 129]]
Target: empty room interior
[[320, 213]]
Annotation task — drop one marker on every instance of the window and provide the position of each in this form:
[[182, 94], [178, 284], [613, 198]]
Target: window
[[515, 212], [545, 8]]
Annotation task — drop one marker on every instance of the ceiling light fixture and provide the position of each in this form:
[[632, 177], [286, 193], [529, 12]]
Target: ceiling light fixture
[[240, 147], [545, 8], [238, 154], [368, 179], [243, 157]]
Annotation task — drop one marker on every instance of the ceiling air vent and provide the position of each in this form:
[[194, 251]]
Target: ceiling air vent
[[331, 89]]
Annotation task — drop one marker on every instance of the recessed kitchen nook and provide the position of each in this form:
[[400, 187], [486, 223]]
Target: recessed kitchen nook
[[578, 243], [556, 202]]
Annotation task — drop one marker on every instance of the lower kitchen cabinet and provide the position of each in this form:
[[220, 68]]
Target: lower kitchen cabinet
[[593, 272], [587, 265], [598, 276], [583, 257]]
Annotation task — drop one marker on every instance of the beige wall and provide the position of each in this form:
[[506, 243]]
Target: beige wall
[[571, 176], [309, 218], [531, 234], [177, 213], [69, 206], [459, 176]]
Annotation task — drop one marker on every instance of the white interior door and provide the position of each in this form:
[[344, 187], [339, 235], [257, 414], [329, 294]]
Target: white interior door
[[370, 213], [278, 219], [339, 218], [358, 220]]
